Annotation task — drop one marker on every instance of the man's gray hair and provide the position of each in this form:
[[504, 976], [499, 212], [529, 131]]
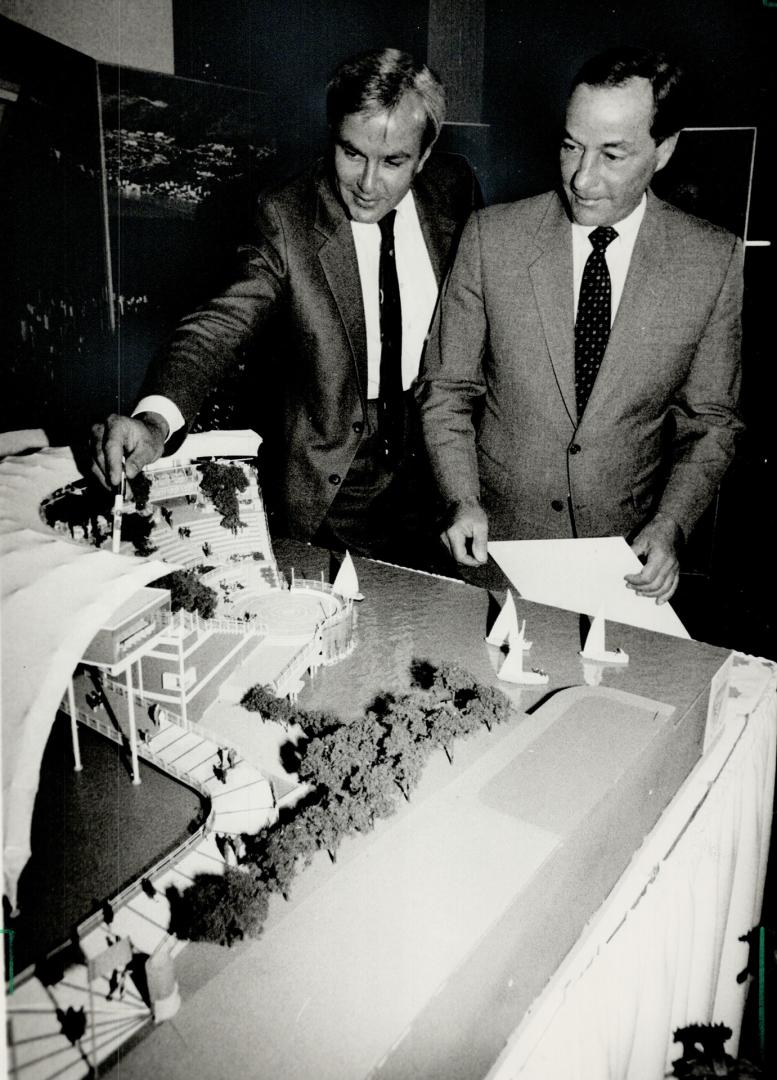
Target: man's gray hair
[[376, 81]]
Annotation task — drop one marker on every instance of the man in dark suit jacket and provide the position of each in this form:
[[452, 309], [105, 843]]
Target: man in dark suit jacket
[[314, 268], [517, 339]]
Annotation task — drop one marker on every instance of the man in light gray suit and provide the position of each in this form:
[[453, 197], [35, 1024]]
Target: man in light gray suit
[[582, 373]]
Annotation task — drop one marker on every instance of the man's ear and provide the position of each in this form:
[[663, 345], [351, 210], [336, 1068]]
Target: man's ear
[[665, 149], [422, 159]]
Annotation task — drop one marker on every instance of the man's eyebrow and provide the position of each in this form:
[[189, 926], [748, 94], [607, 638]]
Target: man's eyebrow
[[402, 155], [613, 144]]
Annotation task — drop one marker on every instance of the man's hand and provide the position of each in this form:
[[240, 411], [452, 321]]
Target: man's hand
[[657, 543], [467, 535], [126, 444]]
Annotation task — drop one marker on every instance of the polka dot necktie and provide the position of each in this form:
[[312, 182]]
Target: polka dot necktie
[[592, 327], [391, 410]]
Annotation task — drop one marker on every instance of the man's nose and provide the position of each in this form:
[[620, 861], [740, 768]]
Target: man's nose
[[368, 177], [586, 175]]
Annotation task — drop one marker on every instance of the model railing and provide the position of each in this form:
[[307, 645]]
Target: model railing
[[299, 662], [192, 622], [312, 584]]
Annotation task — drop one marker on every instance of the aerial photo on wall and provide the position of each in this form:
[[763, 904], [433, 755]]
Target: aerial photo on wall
[[185, 160]]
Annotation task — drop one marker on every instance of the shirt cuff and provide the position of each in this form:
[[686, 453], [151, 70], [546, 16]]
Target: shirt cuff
[[165, 408]]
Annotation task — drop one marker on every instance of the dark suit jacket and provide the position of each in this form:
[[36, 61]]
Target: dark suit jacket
[[303, 273], [659, 428]]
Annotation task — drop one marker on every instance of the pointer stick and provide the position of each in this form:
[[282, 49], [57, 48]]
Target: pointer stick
[[118, 508]]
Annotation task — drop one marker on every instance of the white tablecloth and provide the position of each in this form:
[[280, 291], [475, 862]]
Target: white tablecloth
[[664, 949]]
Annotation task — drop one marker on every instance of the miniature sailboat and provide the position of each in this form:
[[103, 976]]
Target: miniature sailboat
[[594, 648], [512, 669], [346, 583], [505, 624]]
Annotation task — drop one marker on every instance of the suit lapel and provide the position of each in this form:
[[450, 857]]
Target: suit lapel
[[438, 230], [337, 255], [551, 277], [638, 300]]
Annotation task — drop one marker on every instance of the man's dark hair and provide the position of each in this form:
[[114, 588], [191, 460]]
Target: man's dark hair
[[376, 81], [616, 66]]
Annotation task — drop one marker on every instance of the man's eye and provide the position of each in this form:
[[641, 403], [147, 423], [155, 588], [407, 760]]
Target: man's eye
[[393, 163], [613, 157], [568, 148], [349, 152]]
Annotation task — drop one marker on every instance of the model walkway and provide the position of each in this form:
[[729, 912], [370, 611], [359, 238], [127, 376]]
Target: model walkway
[[37, 1048], [205, 529]]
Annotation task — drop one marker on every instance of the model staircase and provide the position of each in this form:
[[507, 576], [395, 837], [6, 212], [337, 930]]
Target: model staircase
[[37, 1047]]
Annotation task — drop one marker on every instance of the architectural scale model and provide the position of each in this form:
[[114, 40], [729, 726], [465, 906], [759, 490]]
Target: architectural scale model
[[457, 810]]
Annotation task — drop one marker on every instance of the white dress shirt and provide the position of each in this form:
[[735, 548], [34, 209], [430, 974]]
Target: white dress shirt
[[417, 292], [617, 254]]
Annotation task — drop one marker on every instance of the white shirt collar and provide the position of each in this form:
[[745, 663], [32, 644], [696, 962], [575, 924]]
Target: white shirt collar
[[626, 229]]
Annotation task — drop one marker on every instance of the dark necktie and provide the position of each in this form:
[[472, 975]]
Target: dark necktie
[[391, 411], [592, 326]]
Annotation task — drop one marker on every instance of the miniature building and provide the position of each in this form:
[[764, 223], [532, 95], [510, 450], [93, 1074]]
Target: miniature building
[[131, 626]]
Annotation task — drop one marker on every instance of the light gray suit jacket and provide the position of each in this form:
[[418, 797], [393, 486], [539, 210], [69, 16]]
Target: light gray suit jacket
[[498, 386]]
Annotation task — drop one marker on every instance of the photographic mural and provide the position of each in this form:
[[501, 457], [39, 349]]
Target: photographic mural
[[184, 160]]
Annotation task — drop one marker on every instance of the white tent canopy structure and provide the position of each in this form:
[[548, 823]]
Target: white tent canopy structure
[[55, 594]]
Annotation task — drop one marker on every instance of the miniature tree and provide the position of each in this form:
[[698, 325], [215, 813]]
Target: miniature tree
[[322, 827], [261, 699], [408, 711], [374, 788], [330, 759], [406, 757], [220, 908], [445, 724], [277, 865], [188, 592], [221, 483], [495, 705], [318, 722]]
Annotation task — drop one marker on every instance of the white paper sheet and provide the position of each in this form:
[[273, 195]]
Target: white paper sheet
[[583, 576]]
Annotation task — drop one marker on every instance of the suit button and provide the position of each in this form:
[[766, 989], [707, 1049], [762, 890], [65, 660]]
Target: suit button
[[358, 427], [334, 478], [557, 504], [574, 448]]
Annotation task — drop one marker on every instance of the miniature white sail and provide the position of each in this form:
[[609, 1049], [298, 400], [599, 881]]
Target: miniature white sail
[[594, 648], [346, 583], [512, 669], [505, 624]]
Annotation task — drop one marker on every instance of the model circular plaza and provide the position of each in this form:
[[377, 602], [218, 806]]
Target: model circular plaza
[[289, 612]]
